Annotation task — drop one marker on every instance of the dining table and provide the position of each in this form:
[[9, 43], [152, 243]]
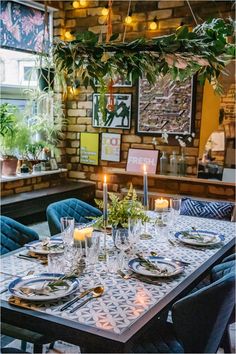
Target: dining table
[[128, 306]]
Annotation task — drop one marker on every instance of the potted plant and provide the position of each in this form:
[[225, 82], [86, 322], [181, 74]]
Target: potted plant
[[14, 136], [119, 211], [46, 117]]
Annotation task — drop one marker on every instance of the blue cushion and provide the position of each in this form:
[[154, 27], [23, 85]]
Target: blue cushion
[[14, 235], [71, 207], [213, 210], [220, 270]]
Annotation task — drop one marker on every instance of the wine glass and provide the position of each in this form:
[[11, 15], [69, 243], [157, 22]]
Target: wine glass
[[134, 228]]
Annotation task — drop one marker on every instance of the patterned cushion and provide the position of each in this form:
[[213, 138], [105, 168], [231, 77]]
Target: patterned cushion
[[213, 210], [14, 235], [71, 207]]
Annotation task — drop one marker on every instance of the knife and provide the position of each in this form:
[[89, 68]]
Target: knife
[[71, 302]]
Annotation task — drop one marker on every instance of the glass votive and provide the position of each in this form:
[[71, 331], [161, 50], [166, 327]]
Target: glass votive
[[161, 204], [73, 259], [92, 248], [81, 232]]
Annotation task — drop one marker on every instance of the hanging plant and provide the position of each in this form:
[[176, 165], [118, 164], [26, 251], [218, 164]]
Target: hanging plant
[[182, 54]]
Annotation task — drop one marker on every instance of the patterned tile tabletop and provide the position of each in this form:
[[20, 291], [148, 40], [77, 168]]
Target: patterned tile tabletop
[[124, 301]]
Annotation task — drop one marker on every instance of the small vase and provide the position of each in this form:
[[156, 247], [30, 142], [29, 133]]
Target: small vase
[[174, 164], [163, 164]]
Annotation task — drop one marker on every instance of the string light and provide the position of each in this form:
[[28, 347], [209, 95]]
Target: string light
[[76, 4], [105, 11], [153, 24], [83, 3], [68, 36], [128, 19]]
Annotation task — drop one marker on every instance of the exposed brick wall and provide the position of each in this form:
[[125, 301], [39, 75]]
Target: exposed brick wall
[[79, 107], [31, 184]]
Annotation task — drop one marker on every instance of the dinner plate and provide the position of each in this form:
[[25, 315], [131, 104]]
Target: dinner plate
[[199, 237], [171, 266], [53, 246], [37, 282]]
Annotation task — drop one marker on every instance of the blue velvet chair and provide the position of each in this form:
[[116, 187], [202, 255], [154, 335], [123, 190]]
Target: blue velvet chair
[[199, 322], [14, 235], [72, 207], [204, 209]]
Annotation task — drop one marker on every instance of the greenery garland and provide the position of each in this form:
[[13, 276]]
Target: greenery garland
[[180, 55]]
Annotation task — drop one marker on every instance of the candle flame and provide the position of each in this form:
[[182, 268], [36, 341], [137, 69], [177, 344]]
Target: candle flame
[[105, 179], [144, 168]]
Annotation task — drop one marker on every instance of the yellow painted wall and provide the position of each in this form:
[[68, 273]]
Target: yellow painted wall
[[210, 115]]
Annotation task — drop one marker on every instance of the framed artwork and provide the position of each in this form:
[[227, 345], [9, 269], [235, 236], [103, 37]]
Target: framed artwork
[[120, 81], [138, 157], [89, 148], [110, 150], [166, 106], [120, 117]]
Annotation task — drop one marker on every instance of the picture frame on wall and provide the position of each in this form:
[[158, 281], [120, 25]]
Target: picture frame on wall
[[110, 148], [166, 106], [119, 81], [89, 148], [119, 118], [137, 158]]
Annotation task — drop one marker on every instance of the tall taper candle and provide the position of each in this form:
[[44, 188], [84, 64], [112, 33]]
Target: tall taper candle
[[145, 187], [105, 200]]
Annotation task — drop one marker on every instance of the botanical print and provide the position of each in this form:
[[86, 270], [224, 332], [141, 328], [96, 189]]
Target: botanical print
[[89, 146], [165, 106], [119, 117], [23, 27]]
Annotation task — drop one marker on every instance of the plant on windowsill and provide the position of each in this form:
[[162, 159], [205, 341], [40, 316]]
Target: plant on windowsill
[[119, 211], [14, 136]]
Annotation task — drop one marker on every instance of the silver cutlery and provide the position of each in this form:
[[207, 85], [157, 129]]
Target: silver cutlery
[[77, 298], [176, 243], [134, 276], [97, 292], [154, 254], [31, 258]]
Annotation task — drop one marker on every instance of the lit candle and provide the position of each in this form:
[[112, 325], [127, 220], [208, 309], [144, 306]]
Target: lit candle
[[145, 187], [81, 234], [161, 204], [105, 200]]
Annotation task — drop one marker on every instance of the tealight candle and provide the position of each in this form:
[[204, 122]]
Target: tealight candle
[[161, 204]]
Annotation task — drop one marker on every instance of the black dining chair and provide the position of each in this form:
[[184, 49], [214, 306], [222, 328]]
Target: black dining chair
[[72, 207], [199, 322]]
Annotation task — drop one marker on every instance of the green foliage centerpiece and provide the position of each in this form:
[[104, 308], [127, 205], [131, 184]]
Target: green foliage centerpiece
[[120, 210]]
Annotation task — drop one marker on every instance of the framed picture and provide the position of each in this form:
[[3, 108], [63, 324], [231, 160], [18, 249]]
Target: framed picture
[[120, 81], [137, 158], [89, 148], [110, 150], [120, 117], [53, 164], [166, 106]]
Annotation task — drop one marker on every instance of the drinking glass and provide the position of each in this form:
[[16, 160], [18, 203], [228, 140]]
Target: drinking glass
[[56, 263], [114, 262], [92, 248], [134, 228], [122, 241], [73, 258], [67, 229]]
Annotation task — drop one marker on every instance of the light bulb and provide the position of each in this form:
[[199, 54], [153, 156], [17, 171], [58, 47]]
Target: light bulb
[[68, 36], [75, 4], [105, 11], [153, 25], [83, 3], [128, 20]]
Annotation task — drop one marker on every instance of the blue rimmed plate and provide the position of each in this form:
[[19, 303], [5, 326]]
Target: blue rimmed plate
[[30, 287], [199, 237], [167, 267], [39, 247]]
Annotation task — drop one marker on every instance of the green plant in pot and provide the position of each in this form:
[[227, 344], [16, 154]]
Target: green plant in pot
[[14, 136], [119, 211]]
